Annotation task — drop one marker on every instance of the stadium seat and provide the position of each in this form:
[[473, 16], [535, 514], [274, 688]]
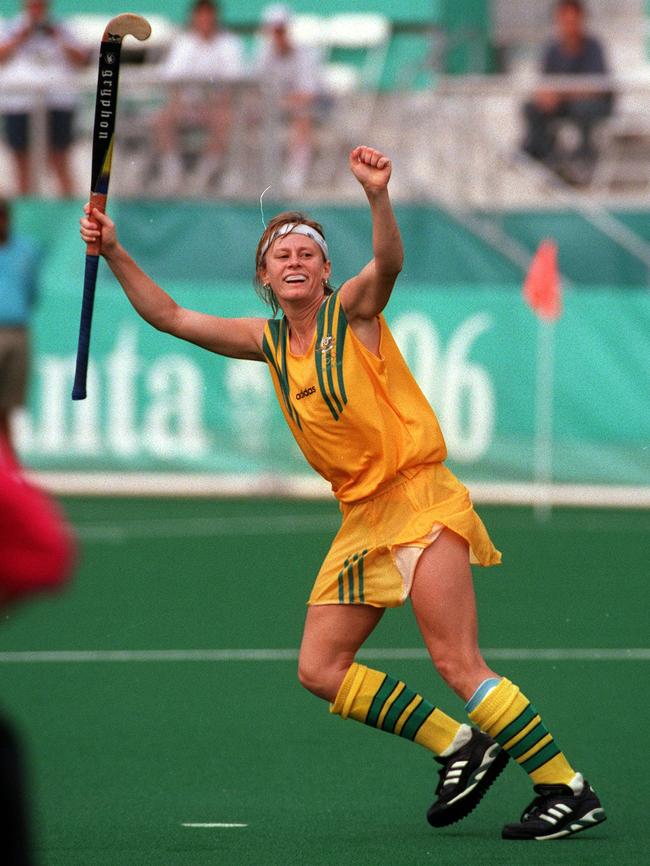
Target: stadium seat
[[358, 30], [340, 78], [310, 30], [364, 32], [624, 140]]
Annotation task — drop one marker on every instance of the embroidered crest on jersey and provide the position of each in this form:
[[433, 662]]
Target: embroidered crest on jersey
[[328, 355], [326, 344]]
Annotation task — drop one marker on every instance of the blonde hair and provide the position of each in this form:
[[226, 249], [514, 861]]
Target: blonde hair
[[265, 292]]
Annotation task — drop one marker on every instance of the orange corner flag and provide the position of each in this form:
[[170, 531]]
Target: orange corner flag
[[542, 288]]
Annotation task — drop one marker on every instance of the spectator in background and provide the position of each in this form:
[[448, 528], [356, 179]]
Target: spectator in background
[[19, 266], [36, 50], [201, 65], [37, 550], [572, 52], [290, 78], [36, 554]]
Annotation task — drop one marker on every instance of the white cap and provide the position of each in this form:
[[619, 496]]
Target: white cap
[[276, 15]]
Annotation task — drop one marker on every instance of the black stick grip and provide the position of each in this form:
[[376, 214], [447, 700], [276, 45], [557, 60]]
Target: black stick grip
[[83, 346]]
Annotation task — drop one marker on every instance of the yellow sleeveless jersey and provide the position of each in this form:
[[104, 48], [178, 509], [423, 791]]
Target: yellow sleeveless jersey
[[360, 420]]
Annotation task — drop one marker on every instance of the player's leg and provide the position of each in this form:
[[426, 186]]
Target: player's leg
[[331, 638], [444, 604], [445, 609], [23, 172], [7, 452], [16, 128], [166, 128], [219, 118], [14, 368], [60, 137], [216, 122], [300, 142], [333, 634], [14, 823]]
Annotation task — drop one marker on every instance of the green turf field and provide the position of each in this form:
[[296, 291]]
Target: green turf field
[[125, 749]]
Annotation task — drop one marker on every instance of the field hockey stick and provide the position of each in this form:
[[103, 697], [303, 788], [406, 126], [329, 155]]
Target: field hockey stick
[[103, 129]]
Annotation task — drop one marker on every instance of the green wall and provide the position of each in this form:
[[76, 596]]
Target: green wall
[[467, 24], [438, 249], [457, 312]]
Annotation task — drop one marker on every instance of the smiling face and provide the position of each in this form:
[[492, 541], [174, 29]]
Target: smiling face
[[295, 269]]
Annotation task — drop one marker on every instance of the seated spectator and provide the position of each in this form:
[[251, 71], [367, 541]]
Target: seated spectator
[[200, 66], [573, 52], [36, 50], [289, 76]]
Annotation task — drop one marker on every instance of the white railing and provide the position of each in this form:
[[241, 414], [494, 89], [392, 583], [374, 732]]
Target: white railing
[[255, 144], [456, 143]]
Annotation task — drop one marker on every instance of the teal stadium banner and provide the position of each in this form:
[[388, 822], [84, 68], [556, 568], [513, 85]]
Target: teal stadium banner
[[158, 404]]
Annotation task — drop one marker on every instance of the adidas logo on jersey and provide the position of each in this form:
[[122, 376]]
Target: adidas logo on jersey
[[306, 393]]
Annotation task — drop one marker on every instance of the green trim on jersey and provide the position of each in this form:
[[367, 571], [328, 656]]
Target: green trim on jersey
[[341, 331], [283, 379], [328, 354], [327, 348]]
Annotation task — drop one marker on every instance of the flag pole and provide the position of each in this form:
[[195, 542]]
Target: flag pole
[[542, 291], [544, 400]]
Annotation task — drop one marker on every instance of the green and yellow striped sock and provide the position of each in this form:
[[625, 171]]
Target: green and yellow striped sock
[[508, 716], [382, 702]]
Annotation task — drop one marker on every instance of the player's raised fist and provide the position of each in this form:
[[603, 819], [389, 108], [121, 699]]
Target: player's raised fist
[[371, 168]]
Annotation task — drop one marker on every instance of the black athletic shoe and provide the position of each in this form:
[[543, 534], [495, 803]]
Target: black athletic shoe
[[464, 778], [557, 812]]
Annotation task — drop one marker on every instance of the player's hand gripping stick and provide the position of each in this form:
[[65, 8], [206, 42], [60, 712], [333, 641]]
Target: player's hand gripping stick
[[103, 130]]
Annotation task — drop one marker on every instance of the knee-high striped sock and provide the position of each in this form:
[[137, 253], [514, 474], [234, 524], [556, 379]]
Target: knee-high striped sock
[[508, 716], [382, 702]]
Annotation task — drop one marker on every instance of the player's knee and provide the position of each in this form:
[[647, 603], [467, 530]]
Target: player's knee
[[310, 678], [454, 668], [445, 667], [321, 680]]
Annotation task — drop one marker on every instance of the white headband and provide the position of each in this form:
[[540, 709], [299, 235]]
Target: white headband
[[297, 229]]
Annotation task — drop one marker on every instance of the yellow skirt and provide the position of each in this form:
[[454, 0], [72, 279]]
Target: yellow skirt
[[366, 563]]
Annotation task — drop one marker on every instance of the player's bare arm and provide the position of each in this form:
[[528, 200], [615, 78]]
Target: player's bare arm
[[235, 338], [365, 295]]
